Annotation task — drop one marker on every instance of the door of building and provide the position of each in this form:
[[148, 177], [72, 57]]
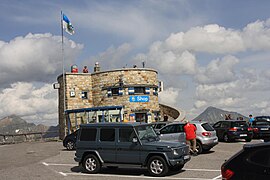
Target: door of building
[[141, 117]]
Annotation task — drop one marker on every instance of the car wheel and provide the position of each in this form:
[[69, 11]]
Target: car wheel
[[157, 166], [177, 167], [91, 164], [199, 147], [226, 138], [70, 145]]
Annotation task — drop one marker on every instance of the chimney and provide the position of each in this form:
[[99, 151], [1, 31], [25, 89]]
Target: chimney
[[96, 68]]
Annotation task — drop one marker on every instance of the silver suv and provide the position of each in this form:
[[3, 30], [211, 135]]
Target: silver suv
[[205, 135]]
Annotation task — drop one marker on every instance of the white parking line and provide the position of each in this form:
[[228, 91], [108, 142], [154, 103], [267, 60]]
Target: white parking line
[[55, 164], [64, 174], [218, 177], [209, 170], [124, 176]]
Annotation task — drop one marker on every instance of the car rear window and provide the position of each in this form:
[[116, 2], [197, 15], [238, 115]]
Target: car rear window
[[88, 134], [264, 118], [207, 127], [239, 124], [261, 122]]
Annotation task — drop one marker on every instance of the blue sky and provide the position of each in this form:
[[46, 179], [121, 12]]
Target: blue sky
[[208, 53]]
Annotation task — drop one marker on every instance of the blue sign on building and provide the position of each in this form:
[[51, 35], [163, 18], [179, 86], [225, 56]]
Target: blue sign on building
[[138, 98]]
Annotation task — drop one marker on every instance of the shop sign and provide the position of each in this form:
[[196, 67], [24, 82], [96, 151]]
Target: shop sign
[[139, 99]]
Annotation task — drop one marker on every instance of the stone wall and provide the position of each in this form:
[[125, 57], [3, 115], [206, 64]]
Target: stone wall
[[96, 86]]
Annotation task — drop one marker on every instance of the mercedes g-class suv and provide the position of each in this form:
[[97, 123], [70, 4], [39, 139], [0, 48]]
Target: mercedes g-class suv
[[116, 144]]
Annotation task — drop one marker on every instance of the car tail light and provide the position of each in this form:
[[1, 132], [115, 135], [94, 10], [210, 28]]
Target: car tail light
[[233, 129], [206, 133], [250, 129], [226, 173], [255, 129]]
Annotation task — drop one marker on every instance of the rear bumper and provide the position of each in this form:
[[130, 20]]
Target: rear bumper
[[242, 135], [209, 143], [261, 135]]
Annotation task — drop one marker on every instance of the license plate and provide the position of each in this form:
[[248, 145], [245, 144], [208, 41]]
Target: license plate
[[264, 129], [242, 135], [186, 157]]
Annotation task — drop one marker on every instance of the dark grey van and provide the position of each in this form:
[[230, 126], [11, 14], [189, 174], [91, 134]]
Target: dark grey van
[[116, 144]]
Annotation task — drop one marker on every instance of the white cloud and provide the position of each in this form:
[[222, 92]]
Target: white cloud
[[256, 35], [218, 71], [169, 96], [168, 61], [225, 82], [27, 100], [200, 104], [35, 57], [112, 57], [212, 39]]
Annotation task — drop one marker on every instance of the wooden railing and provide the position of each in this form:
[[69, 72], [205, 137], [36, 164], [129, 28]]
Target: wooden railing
[[26, 137]]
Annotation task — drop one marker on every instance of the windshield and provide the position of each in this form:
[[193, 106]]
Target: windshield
[[146, 132]]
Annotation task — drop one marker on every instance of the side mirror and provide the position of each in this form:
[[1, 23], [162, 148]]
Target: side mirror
[[134, 140]]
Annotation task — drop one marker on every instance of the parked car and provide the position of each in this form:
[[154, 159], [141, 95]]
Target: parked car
[[120, 144], [69, 141], [205, 134], [158, 125], [252, 163], [261, 127], [230, 130]]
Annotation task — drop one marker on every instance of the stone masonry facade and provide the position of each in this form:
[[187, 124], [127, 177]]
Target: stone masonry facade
[[87, 90]]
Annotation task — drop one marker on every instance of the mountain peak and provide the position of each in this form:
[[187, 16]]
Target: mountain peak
[[212, 115]]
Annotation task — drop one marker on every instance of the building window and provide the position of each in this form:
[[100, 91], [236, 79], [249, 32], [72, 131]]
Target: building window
[[84, 95], [139, 90], [115, 91], [155, 91]]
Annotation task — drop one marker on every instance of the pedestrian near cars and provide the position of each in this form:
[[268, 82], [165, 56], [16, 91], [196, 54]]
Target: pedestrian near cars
[[251, 119], [190, 130]]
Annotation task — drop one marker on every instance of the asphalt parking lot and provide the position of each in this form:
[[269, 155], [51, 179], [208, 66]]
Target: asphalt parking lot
[[49, 160]]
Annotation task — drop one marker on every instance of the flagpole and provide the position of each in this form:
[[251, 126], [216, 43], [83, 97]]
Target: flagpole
[[63, 68]]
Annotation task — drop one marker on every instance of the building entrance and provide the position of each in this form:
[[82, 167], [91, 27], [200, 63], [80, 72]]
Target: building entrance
[[141, 117]]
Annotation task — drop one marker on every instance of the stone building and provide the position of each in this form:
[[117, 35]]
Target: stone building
[[119, 95]]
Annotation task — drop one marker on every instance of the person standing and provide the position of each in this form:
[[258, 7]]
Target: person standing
[[251, 119], [190, 130], [85, 69]]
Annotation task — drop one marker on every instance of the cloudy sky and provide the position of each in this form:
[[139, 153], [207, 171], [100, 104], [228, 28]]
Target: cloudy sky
[[207, 53]]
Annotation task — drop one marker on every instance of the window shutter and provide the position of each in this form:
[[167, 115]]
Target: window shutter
[[131, 90], [121, 91], [147, 90], [109, 92]]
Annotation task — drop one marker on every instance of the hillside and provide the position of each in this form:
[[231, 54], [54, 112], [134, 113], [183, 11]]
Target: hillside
[[16, 125], [213, 115]]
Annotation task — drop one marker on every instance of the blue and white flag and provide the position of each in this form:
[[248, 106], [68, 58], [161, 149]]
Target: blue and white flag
[[67, 26]]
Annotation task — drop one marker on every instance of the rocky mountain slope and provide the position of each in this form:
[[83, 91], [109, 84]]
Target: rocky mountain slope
[[15, 125], [213, 115]]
